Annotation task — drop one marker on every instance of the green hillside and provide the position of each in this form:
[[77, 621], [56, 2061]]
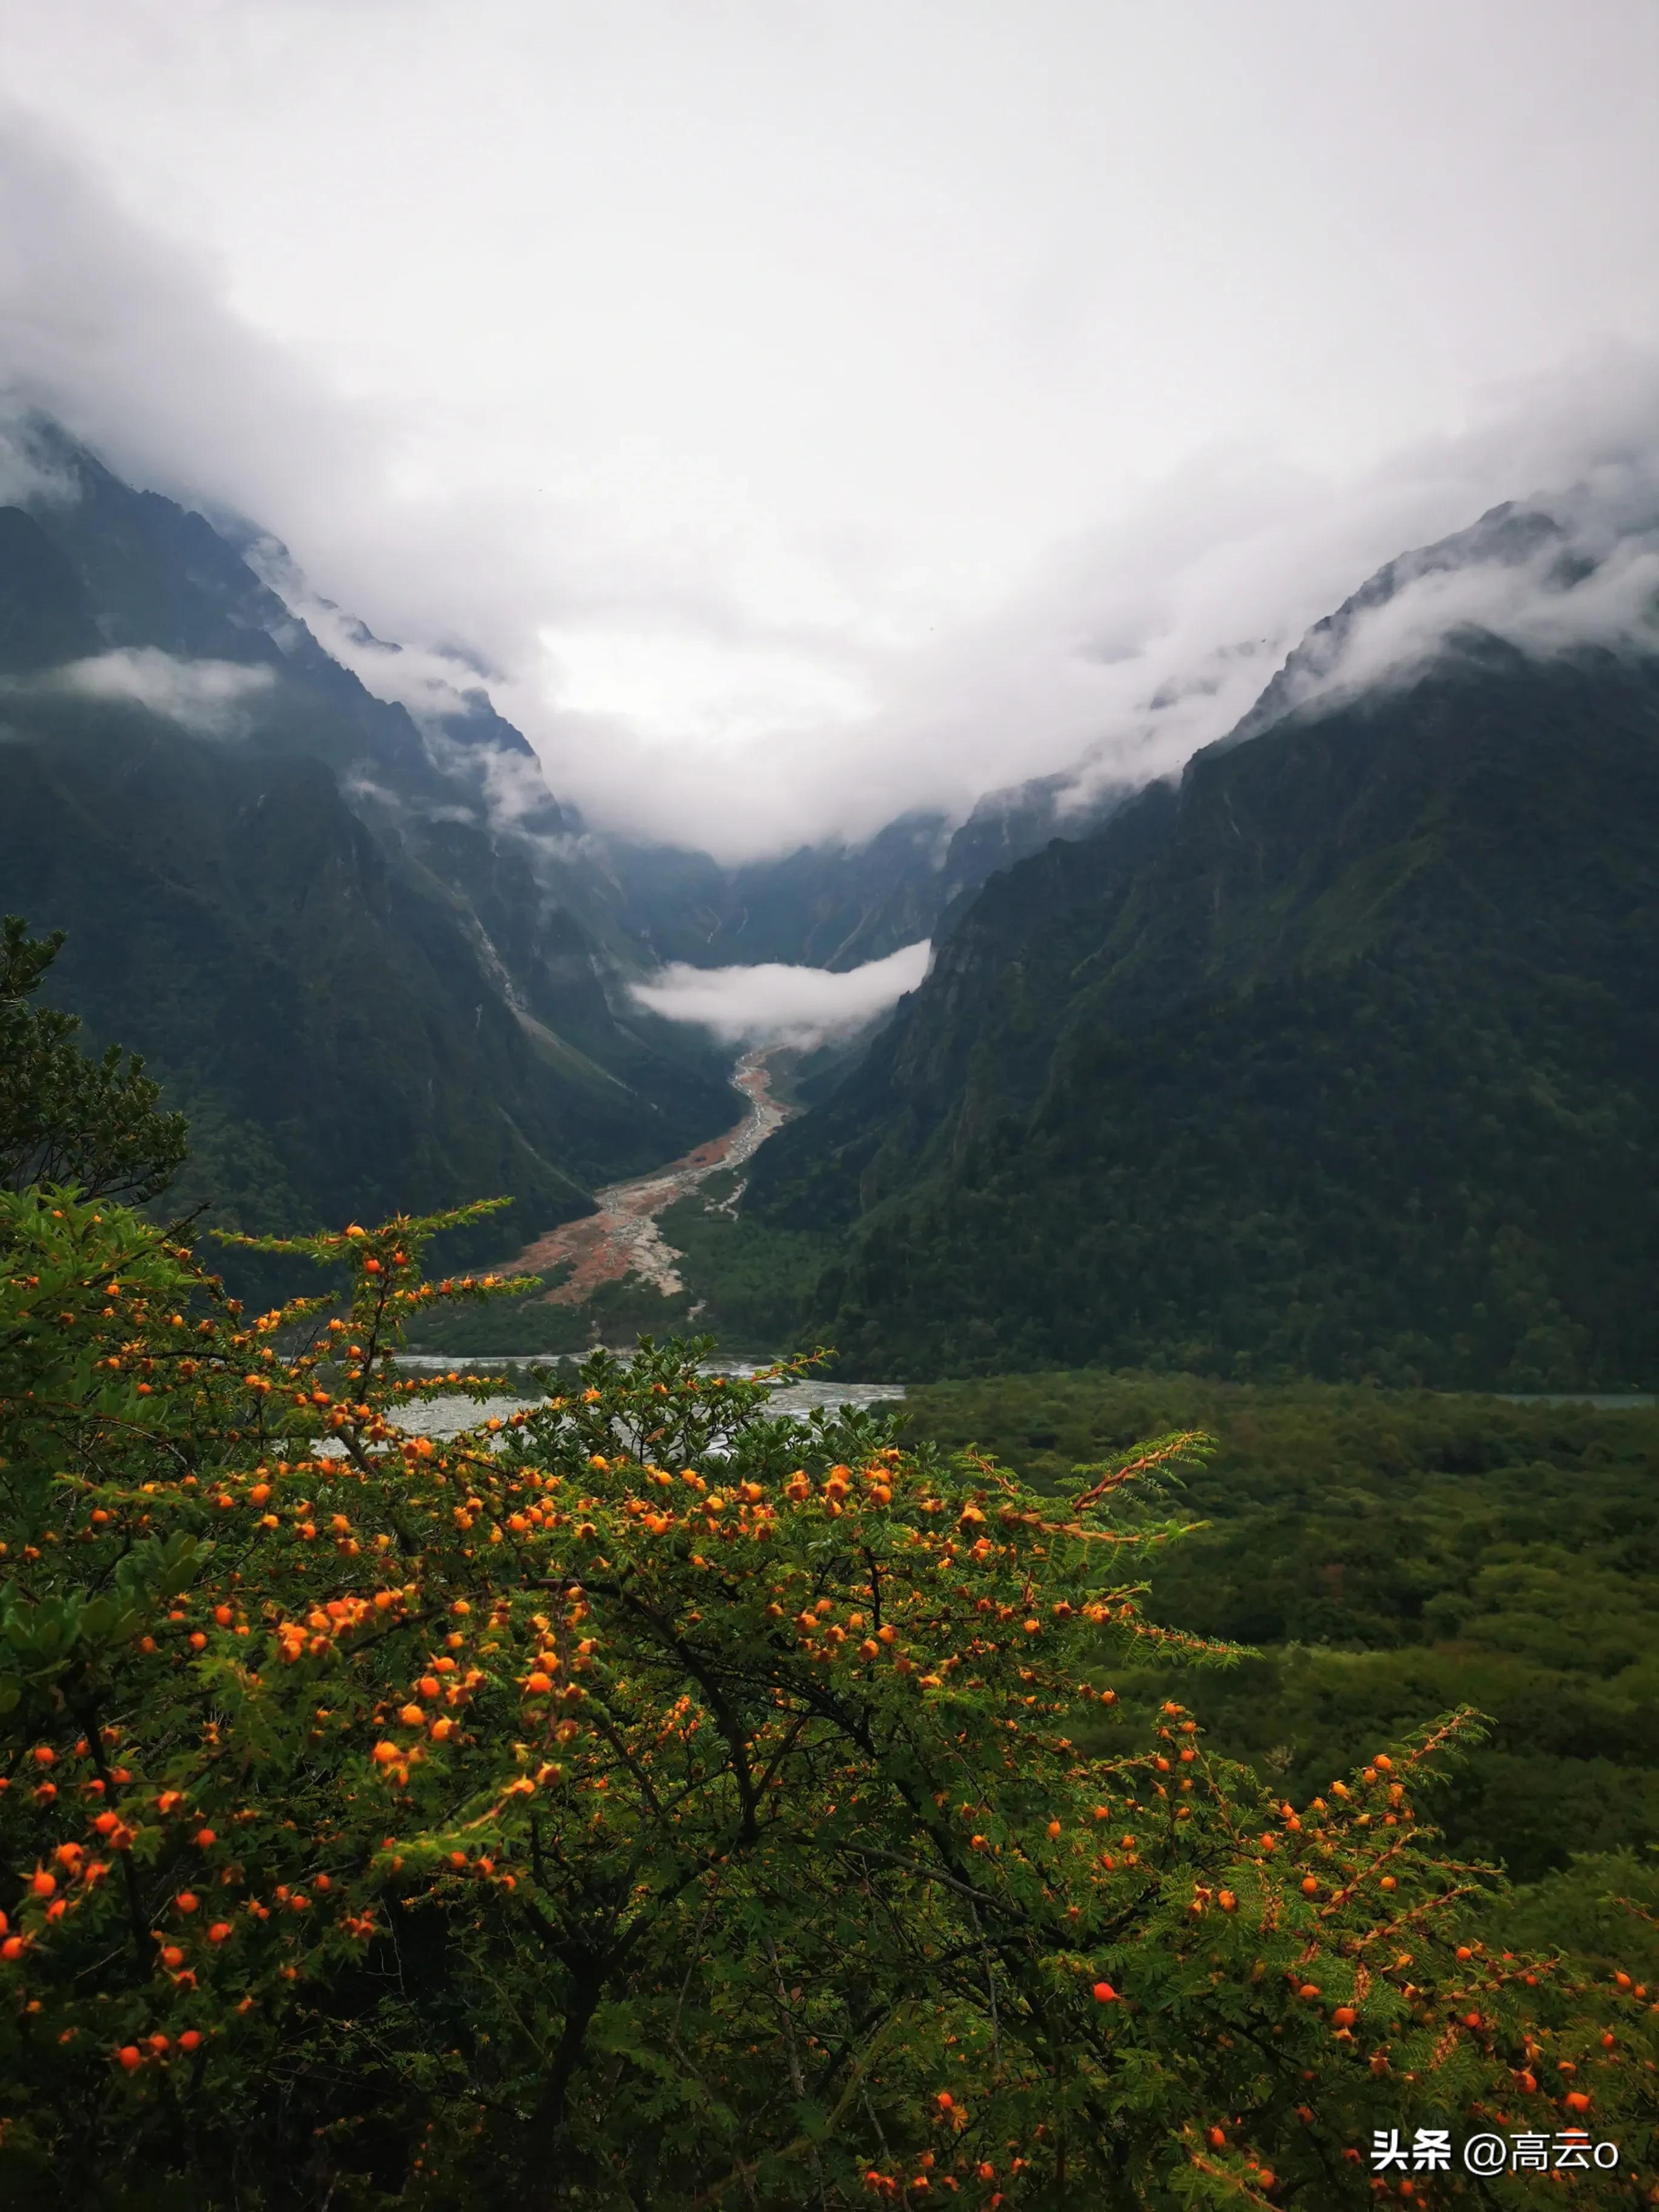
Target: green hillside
[[318, 1011], [1341, 1060], [366, 993]]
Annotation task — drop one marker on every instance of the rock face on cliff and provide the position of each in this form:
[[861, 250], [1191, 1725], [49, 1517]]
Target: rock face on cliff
[[1342, 1058], [369, 985]]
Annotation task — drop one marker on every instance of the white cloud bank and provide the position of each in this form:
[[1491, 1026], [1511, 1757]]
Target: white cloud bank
[[207, 697], [778, 1004], [1577, 572], [947, 395]]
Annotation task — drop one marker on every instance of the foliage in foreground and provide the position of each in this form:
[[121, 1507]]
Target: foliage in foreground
[[1389, 1553], [64, 1117], [647, 1802]]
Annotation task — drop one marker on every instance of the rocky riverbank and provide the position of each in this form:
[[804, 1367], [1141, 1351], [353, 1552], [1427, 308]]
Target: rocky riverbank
[[622, 1238]]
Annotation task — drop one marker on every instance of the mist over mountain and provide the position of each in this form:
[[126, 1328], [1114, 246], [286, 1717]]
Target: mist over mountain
[[382, 963], [375, 957], [367, 990], [850, 569], [1341, 1057]]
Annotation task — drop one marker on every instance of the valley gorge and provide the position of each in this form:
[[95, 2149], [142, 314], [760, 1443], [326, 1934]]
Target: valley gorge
[[1181, 1085]]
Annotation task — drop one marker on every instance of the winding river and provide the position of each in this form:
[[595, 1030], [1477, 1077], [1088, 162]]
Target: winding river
[[622, 1238]]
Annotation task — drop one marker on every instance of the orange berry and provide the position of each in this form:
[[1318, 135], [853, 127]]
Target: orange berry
[[130, 2056], [158, 2043], [42, 1883], [205, 1838], [1576, 2100], [1343, 2016], [44, 1755], [1309, 1886], [538, 1685], [220, 1932], [188, 1901], [1218, 2139], [1388, 1883], [171, 1956], [1054, 1828], [190, 2038], [944, 2100], [1105, 1994]]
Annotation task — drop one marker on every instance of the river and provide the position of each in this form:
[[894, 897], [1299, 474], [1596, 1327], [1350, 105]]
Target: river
[[622, 1238]]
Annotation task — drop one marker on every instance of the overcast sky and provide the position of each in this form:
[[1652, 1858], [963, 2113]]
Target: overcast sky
[[812, 411]]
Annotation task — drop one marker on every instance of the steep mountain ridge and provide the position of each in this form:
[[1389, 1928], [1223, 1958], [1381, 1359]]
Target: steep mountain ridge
[[365, 989], [1342, 1058]]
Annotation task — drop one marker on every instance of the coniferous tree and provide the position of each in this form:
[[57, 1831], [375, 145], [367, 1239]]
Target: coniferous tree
[[65, 1118]]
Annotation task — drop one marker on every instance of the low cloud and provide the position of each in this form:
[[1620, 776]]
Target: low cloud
[[429, 681], [26, 478], [695, 670], [207, 697], [778, 1004], [1574, 573], [1139, 643]]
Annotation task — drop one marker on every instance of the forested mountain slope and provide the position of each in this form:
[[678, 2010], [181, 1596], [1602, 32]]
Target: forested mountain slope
[[1342, 1059], [368, 988]]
